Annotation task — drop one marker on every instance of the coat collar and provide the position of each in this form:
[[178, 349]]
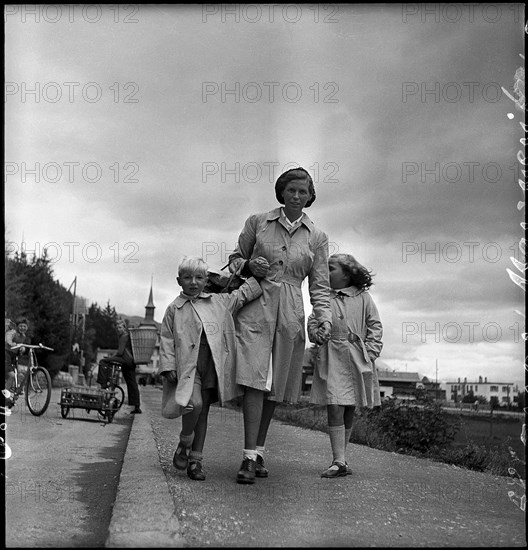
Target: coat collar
[[182, 298], [275, 214], [348, 291]]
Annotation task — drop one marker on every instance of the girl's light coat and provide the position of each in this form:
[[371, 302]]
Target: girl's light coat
[[273, 327], [344, 372], [181, 330]]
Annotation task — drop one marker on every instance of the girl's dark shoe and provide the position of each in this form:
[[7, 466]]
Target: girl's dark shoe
[[246, 474], [335, 470], [195, 470], [181, 457], [260, 470]]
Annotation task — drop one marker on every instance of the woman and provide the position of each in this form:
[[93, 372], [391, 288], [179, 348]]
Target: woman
[[281, 247]]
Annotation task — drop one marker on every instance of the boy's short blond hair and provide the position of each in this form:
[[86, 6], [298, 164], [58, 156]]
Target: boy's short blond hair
[[193, 264]]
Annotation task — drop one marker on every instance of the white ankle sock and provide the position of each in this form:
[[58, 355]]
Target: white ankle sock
[[250, 453], [260, 451]]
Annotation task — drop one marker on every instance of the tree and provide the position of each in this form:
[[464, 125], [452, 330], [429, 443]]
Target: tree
[[32, 292], [99, 330], [469, 397]]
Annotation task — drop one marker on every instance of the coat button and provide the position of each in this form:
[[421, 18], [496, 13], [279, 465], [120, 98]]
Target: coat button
[[280, 262], [284, 248]]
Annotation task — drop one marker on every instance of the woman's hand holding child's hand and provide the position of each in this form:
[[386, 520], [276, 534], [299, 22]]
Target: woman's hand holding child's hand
[[170, 376], [323, 333]]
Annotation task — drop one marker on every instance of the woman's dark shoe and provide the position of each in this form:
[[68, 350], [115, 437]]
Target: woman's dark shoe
[[260, 470], [246, 474], [181, 457], [195, 470], [336, 470]]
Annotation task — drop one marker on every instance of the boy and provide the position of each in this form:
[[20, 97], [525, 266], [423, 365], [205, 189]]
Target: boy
[[197, 358], [13, 337]]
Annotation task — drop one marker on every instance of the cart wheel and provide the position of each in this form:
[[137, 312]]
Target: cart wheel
[[64, 411]]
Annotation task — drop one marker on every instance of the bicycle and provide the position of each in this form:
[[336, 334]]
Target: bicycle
[[113, 383], [35, 383]]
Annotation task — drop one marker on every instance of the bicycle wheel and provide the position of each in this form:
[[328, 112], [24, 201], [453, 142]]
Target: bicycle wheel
[[38, 391], [120, 397]]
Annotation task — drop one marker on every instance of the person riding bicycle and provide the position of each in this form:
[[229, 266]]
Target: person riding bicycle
[[125, 358], [13, 338]]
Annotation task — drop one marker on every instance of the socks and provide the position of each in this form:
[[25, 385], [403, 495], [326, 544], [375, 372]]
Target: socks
[[250, 453], [186, 440], [348, 433], [260, 451], [195, 456], [337, 441]]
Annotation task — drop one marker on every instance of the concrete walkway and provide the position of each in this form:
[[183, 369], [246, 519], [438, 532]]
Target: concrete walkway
[[390, 500]]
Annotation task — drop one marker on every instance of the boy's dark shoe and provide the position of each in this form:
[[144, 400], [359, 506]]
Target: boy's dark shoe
[[260, 470], [246, 474], [336, 470], [195, 470], [181, 457]]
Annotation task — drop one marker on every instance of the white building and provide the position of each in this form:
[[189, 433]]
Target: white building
[[503, 393]]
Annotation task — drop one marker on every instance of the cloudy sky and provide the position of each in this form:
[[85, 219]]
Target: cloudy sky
[[140, 134]]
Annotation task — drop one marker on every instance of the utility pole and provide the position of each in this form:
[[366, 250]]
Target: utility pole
[[73, 320], [436, 381]]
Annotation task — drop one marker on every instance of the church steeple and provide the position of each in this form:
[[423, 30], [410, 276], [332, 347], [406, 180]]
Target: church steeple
[[149, 309]]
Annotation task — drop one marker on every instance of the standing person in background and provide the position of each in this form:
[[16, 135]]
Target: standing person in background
[[281, 248], [125, 358], [345, 374]]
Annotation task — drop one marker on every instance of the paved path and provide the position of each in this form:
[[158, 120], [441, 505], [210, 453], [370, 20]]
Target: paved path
[[391, 500]]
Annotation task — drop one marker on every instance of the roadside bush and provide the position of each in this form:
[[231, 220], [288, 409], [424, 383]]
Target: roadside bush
[[416, 428], [425, 432]]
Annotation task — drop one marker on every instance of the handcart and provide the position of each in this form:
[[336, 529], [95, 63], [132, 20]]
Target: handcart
[[107, 402], [81, 397]]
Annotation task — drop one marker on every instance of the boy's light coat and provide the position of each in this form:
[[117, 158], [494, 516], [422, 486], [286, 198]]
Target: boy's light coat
[[181, 331]]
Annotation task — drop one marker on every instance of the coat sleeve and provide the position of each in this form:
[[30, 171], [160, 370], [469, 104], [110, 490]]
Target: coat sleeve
[[245, 245], [312, 328], [167, 342], [249, 291], [374, 332], [318, 281]]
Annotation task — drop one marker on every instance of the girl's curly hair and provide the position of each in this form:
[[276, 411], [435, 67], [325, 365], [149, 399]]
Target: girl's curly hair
[[294, 174], [358, 275]]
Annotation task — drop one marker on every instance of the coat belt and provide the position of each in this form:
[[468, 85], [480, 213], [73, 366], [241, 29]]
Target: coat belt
[[288, 279]]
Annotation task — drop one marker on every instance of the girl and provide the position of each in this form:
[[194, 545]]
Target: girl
[[345, 375]]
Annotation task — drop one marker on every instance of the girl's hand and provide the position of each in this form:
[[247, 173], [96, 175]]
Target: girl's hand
[[259, 266]]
